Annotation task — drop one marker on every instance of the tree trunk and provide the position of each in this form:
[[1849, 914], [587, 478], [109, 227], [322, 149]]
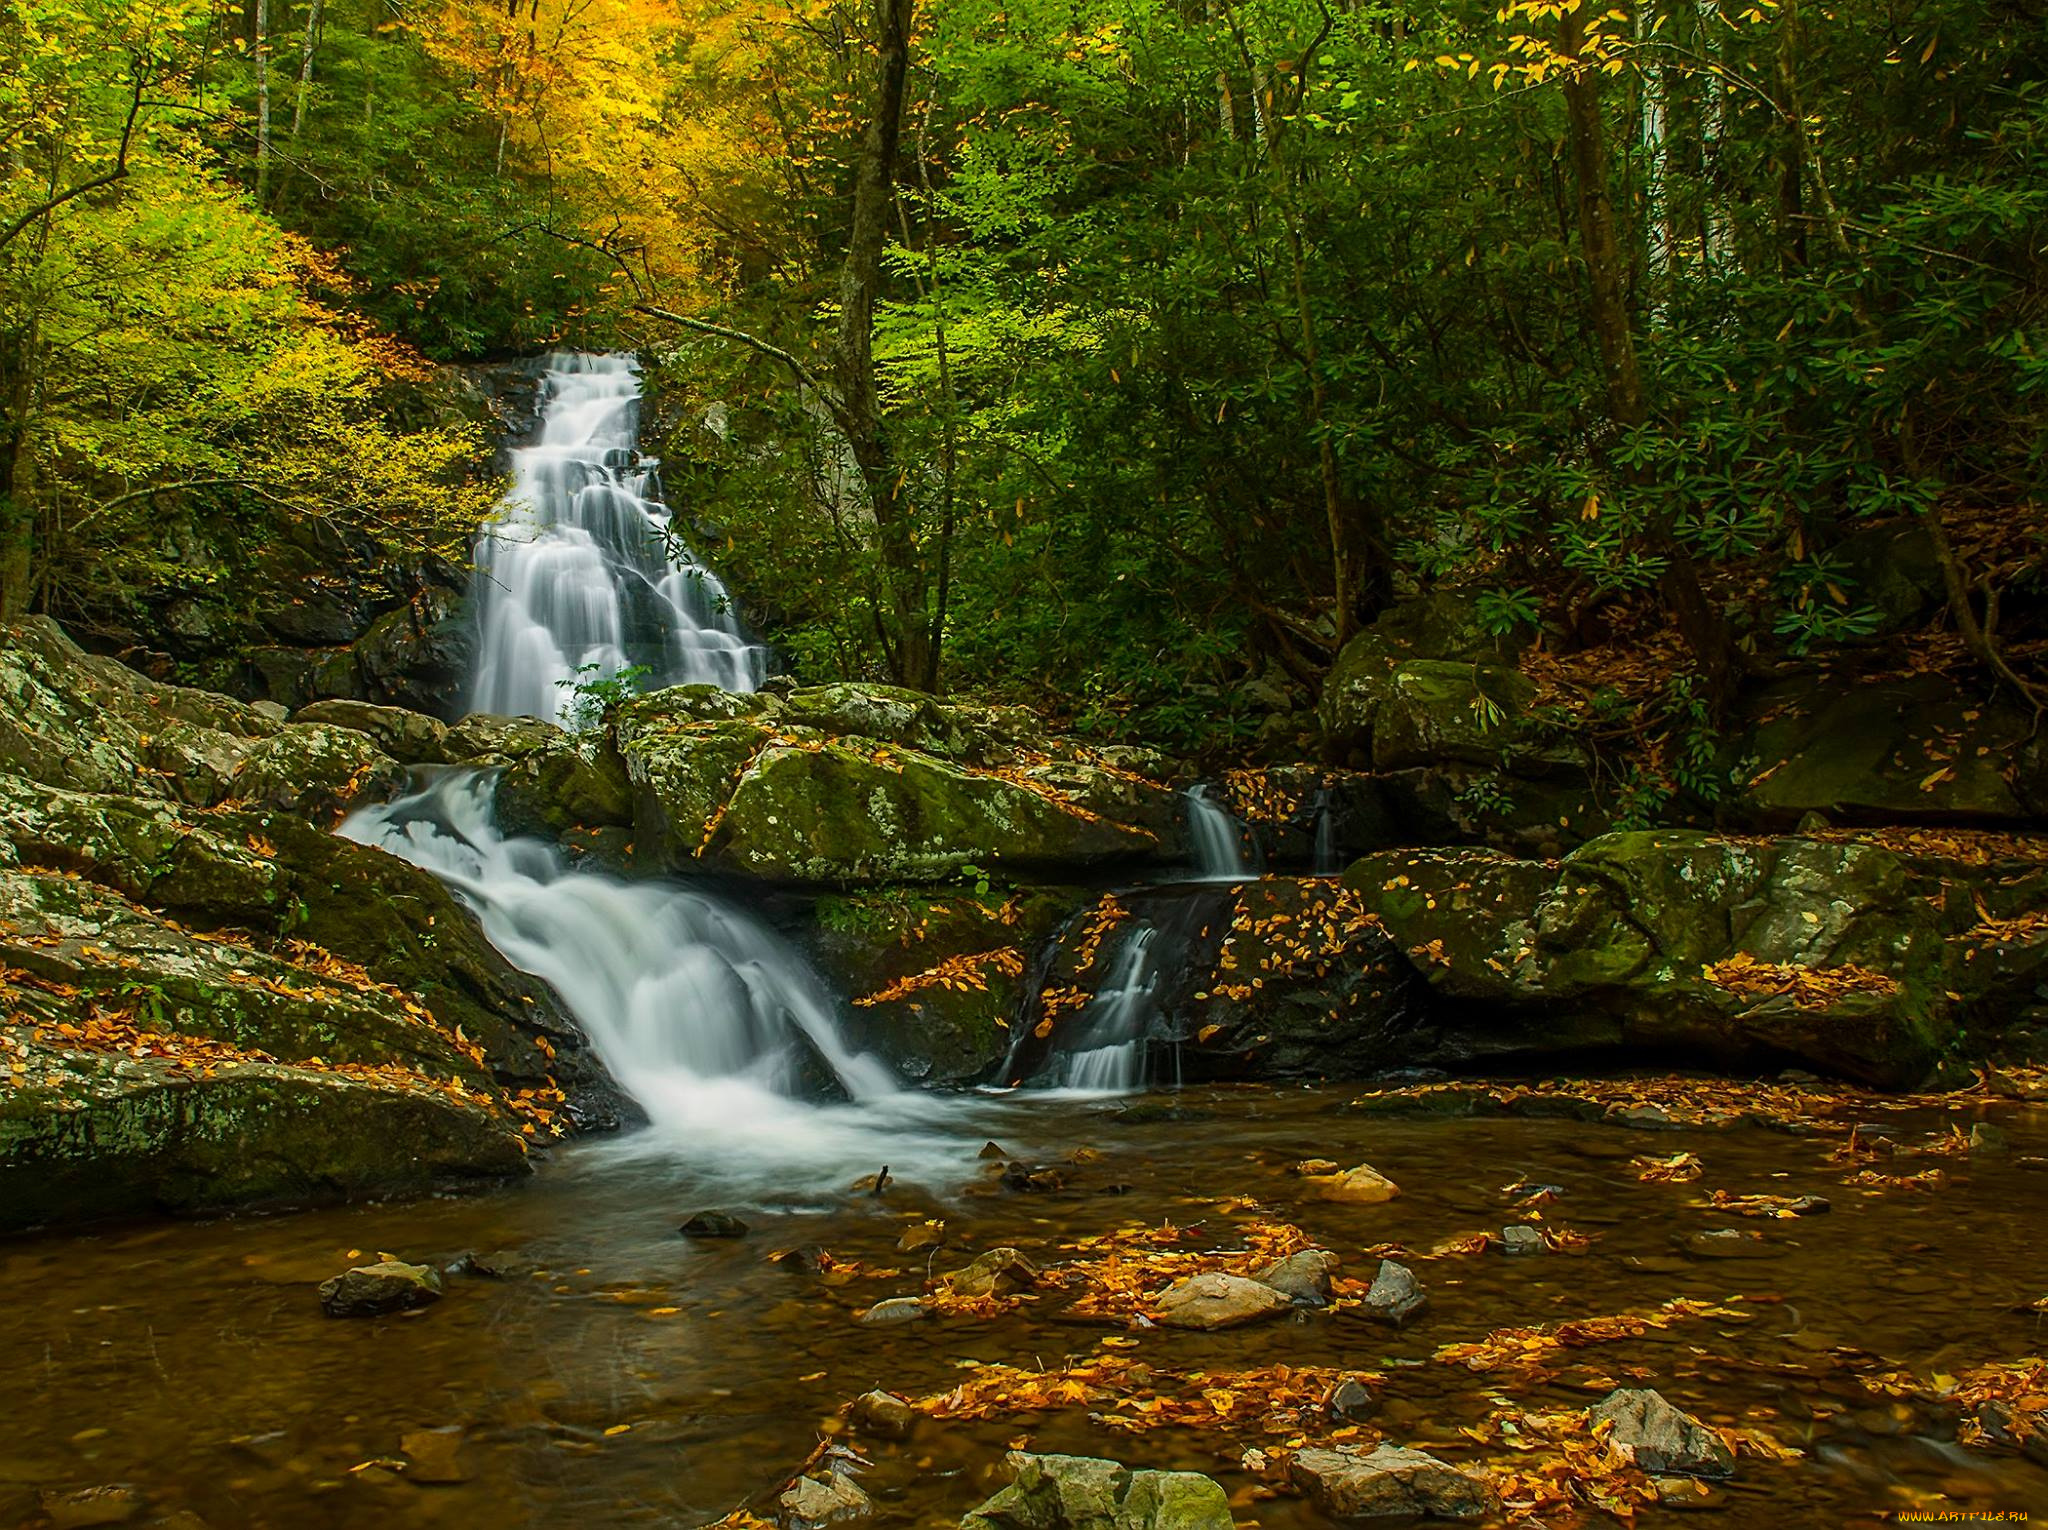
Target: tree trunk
[[911, 655], [262, 100], [1699, 621], [1717, 235], [305, 68], [1657, 230]]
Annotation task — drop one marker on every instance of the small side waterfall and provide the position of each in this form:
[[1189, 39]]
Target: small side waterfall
[[1328, 861], [580, 572], [1217, 838]]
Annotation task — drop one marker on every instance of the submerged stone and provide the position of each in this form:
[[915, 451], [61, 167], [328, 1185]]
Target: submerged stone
[[713, 1224]]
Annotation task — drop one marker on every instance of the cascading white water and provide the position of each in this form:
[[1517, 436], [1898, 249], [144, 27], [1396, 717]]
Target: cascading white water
[[580, 575], [1108, 1054], [699, 1011], [1217, 839]]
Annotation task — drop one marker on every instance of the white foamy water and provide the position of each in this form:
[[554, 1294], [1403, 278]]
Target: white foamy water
[[1217, 838], [713, 1024], [580, 575]]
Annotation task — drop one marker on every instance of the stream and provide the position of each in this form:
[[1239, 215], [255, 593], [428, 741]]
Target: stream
[[623, 1375], [603, 1370]]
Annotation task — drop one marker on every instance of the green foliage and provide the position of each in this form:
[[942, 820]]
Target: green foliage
[[597, 692]]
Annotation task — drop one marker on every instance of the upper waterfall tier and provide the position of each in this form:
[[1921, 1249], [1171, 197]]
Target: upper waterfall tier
[[581, 573]]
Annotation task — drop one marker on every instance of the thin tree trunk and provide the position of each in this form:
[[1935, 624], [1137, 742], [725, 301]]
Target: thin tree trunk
[[1657, 231], [1717, 231], [262, 100], [1699, 621], [853, 354], [305, 69]]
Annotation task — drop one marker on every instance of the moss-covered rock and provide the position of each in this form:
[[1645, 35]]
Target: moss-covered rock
[[98, 1134], [411, 738], [936, 975], [1681, 943], [145, 1066], [549, 781], [756, 791], [315, 771], [1897, 751], [73, 719], [275, 876]]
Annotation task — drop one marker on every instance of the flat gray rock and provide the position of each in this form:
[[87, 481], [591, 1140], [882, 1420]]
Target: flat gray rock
[[1388, 1481], [1216, 1300]]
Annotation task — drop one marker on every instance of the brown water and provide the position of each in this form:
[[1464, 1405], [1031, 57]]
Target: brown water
[[192, 1360]]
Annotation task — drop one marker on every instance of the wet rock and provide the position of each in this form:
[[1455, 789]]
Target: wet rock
[[430, 1455], [812, 1501], [370, 1290], [999, 1272], [1390, 1480], [1724, 1243], [992, 1150], [897, 1309], [1351, 1402], [1028, 1180], [1362, 1186], [1086, 1493], [82, 1508], [1395, 1297], [1215, 1300], [713, 1223], [498, 1264], [1988, 1140], [1659, 1438], [1521, 1239], [1683, 1493], [884, 1413], [1303, 1278]]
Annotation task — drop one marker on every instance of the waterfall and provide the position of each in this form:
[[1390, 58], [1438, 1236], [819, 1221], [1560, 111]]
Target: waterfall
[[1108, 1052], [1328, 861], [1217, 838], [579, 574], [698, 1010], [716, 1027]]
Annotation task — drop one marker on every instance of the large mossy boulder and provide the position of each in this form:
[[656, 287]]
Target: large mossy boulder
[[1087, 1493], [73, 719], [935, 976], [1914, 750], [1833, 953], [144, 1066], [275, 877], [782, 790]]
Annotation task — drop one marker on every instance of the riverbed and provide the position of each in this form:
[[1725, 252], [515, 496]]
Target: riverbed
[[620, 1374]]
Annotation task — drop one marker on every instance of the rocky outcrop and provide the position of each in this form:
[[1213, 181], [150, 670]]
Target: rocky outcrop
[[936, 976], [214, 1001], [791, 791], [1281, 978], [1846, 955]]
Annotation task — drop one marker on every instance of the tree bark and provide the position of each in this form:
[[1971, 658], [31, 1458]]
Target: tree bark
[[910, 652], [305, 68], [262, 100], [1700, 622]]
